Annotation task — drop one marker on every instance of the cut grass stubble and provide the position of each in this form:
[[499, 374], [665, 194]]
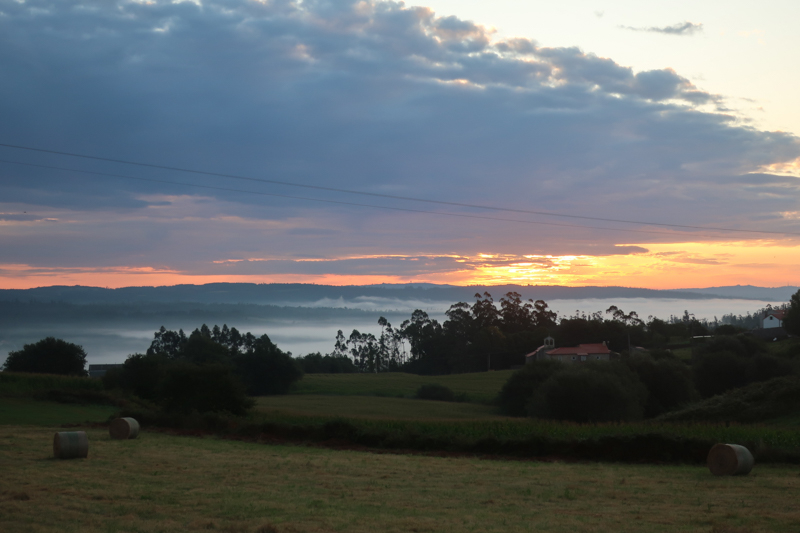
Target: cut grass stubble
[[166, 483]]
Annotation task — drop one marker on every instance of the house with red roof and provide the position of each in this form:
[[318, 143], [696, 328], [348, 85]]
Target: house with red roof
[[573, 354], [773, 318]]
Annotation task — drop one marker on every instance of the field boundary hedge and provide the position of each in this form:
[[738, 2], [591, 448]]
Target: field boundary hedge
[[651, 447]]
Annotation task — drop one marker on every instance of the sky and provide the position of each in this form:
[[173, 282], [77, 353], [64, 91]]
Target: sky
[[354, 142]]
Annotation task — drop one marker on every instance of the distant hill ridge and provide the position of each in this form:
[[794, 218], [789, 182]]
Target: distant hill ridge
[[300, 294]]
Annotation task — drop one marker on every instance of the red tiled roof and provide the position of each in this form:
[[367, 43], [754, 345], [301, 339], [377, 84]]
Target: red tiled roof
[[777, 313], [581, 349]]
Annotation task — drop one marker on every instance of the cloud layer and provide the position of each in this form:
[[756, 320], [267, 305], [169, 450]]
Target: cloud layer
[[371, 96], [682, 28]]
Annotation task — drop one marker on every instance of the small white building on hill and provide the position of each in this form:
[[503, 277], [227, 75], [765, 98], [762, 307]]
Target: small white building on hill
[[773, 318]]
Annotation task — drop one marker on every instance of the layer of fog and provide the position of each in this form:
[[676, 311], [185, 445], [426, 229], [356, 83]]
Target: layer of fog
[[114, 344]]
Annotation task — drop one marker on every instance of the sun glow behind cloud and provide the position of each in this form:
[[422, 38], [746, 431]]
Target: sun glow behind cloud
[[659, 266]]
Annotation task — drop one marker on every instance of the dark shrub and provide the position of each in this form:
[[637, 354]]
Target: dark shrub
[[590, 392], [791, 322], [434, 391], [203, 388], [659, 354], [668, 382], [142, 375], [267, 370], [741, 345], [48, 356], [523, 383], [766, 367], [718, 372]]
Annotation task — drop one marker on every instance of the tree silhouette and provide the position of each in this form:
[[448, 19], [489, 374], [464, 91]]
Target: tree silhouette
[[48, 356]]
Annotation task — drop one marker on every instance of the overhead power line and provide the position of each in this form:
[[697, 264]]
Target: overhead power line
[[338, 202], [389, 196]]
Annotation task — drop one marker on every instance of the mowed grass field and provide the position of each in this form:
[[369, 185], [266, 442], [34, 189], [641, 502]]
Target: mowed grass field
[[480, 387], [161, 482], [164, 482]]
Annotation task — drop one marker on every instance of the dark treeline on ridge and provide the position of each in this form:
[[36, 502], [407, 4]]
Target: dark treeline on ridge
[[299, 293], [24, 312]]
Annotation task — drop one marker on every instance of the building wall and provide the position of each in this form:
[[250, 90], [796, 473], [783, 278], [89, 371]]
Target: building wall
[[771, 322]]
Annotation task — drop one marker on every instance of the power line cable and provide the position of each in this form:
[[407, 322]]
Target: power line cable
[[395, 197], [338, 202]]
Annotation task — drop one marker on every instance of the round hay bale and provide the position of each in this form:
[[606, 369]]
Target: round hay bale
[[124, 428], [729, 460], [70, 445]]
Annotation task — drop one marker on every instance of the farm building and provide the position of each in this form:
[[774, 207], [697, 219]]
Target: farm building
[[773, 318], [572, 354], [98, 371]]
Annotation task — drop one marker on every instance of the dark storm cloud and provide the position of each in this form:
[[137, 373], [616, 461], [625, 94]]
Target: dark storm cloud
[[377, 97], [684, 28]]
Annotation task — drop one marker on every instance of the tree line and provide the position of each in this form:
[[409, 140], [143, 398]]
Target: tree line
[[487, 336], [211, 369]]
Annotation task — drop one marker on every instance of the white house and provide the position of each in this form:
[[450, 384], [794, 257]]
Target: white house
[[773, 318]]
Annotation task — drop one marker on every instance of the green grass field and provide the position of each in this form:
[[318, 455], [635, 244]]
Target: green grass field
[[317, 405], [480, 387], [24, 411], [168, 483], [22, 384]]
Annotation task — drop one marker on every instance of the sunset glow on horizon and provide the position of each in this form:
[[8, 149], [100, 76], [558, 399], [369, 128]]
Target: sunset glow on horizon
[[663, 266]]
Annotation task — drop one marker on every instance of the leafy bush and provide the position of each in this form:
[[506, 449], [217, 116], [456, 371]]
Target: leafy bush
[[180, 385], [766, 367], [48, 356], [142, 375], [718, 372], [267, 370], [741, 345], [522, 384], [203, 388], [668, 381], [434, 391], [791, 322], [590, 392]]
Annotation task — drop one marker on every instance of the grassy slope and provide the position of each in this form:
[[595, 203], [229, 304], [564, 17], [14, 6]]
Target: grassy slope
[[23, 384], [481, 387], [18, 406], [24, 411], [776, 400], [166, 483]]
